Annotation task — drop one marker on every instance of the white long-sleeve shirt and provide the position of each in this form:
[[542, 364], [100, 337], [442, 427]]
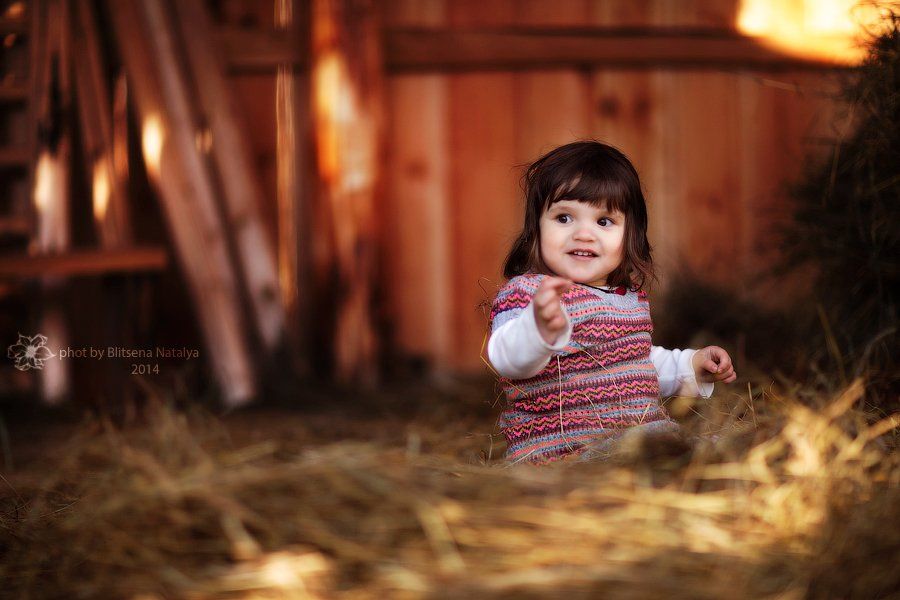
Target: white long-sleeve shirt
[[517, 351]]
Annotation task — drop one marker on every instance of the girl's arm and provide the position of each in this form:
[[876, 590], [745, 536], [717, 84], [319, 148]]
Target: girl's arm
[[516, 349], [676, 373]]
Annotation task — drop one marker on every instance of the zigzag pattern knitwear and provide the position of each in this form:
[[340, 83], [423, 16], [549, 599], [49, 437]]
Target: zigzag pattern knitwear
[[597, 387]]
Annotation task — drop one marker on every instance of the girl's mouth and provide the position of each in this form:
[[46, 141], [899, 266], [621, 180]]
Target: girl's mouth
[[582, 254]]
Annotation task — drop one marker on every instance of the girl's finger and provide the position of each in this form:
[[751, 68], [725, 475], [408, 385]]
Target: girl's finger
[[554, 285], [710, 366], [560, 284], [550, 312], [725, 375], [546, 297], [556, 324]]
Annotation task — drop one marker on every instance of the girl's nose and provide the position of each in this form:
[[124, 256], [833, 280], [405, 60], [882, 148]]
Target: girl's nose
[[584, 234]]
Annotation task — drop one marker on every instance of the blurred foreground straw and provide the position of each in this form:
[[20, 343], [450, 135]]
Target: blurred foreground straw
[[802, 505]]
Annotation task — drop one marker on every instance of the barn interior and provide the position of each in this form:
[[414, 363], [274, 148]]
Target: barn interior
[[248, 250]]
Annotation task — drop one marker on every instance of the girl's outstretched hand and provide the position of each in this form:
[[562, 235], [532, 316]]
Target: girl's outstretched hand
[[713, 364], [551, 321]]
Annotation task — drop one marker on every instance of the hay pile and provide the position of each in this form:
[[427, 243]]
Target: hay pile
[[788, 502], [844, 224]]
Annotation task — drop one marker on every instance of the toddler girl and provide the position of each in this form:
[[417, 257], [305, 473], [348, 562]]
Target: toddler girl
[[570, 330]]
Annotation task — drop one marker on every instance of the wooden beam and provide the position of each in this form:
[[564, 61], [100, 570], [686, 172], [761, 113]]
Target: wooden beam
[[416, 50], [250, 50], [13, 94], [347, 92], [294, 188], [14, 158], [239, 184], [176, 167], [111, 211], [521, 48], [15, 225], [13, 25], [51, 187], [83, 262]]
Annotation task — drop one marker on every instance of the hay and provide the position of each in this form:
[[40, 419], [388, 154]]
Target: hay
[[788, 502], [844, 225]]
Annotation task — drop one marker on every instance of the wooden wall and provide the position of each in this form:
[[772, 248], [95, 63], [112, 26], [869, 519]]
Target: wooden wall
[[714, 148]]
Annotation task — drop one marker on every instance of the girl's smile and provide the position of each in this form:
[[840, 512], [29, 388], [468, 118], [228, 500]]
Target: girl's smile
[[581, 241]]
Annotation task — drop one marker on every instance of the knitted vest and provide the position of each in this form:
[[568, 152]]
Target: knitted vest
[[600, 384]]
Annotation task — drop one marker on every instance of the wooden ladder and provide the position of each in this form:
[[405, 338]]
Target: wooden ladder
[[16, 128]]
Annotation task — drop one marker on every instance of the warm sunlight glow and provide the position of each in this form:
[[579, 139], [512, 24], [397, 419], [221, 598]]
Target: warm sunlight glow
[[44, 175], [829, 30], [343, 157], [332, 107], [152, 140], [101, 189]]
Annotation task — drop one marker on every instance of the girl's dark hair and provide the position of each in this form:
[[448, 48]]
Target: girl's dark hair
[[589, 172]]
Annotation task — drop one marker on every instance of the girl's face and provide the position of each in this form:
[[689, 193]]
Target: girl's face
[[581, 241]]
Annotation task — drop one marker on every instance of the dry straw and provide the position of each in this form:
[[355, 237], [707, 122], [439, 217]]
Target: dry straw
[[787, 502]]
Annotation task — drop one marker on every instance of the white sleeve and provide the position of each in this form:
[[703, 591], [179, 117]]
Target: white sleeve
[[673, 367], [517, 350]]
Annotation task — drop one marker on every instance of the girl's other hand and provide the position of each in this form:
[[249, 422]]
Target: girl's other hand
[[548, 313], [712, 364]]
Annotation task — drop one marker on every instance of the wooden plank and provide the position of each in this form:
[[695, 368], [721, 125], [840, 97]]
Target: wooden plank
[[294, 191], [236, 172], [706, 211], [14, 158], [483, 185], [111, 211], [13, 94], [16, 25], [347, 108], [253, 50], [51, 194], [487, 211], [83, 262], [416, 13], [627, 113], [418, 292], [720, 14], [623, 13], [567, 91], [703, 175], [52, 171], [145, 39], [417, 211], [788, 122], [420, 50], [15, 225], [120, 131], [540, 130], [562, 13], [429, 49]]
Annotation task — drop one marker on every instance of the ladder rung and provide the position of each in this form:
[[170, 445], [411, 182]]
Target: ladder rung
[[15, 226], [13, 93], [84, 262], [8, 25], [14, 157]]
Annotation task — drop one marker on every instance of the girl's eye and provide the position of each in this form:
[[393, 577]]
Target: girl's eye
[[563, 218], [603, 222]]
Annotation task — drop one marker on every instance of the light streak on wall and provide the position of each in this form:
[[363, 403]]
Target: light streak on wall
[[152, 140]]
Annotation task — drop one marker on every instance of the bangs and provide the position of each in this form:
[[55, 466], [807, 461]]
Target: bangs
[[594, 187]]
